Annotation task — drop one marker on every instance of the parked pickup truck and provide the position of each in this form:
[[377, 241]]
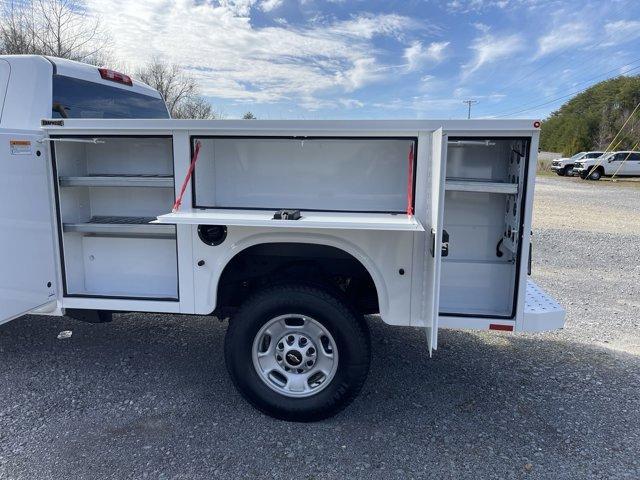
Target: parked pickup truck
[[33, 87], [564, 166], [620, 164], [292, 230]]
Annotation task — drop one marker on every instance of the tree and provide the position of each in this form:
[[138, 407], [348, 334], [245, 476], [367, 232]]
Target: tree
[[248, 116], [60, 28], [179, 91], [592, 119]]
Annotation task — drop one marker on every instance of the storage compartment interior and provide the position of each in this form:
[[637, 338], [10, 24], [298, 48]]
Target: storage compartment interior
[[330, 174], [482, 215], [109, 191]]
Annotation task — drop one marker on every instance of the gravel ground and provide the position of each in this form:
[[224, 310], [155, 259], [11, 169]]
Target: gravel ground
[[148, 396]]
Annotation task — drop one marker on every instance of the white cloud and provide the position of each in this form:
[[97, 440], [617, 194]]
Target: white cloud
[[417, 55], [483, 27], [238, 7], [491, 48], [562, 37], [233, 59], [367, 26], [481, 5], [622, 31], [351, 103], [268, 5]]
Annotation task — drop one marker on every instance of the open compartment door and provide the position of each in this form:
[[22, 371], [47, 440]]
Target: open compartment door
[[27, 275], [434, 244]]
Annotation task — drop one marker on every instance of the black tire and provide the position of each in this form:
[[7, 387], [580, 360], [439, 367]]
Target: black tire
[[560, 173], [567, 171], [348, 329], [595, 175]]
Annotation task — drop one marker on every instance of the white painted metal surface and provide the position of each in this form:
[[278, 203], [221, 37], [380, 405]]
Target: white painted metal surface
[[27, 270], [331, 174], [264, 218], [160, 181], [127, 267], [433, 250], [474, 287], [5, 70], [458, 185], [541, 310], [382, 252]]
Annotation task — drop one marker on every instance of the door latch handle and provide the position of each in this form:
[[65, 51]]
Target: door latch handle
[[444, 247], [445, 244]]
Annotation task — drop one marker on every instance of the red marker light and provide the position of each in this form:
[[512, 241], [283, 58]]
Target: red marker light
[[498, 326], [114, 76], [536, 124]]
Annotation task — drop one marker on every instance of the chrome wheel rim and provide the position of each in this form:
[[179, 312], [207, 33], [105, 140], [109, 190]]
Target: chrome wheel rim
[[295, 355]]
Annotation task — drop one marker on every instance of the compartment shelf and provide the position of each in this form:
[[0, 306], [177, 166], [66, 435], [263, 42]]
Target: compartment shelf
[[129, 226], [163, 181], [482, 186]]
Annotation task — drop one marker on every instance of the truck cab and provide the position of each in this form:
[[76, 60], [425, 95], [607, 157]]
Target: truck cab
[[34, 87]]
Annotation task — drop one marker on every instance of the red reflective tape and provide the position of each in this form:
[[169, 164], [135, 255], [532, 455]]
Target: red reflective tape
[[194, 159], [499, 326], [410, 184]]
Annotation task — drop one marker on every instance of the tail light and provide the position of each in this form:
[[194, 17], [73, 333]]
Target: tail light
[[114, 76]]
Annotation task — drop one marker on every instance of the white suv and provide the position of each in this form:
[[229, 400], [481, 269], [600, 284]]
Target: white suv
[[621, 164], [564, 166]]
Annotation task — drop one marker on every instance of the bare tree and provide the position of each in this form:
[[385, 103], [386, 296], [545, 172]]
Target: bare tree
[[15, 31], [195, 107], [60, 28], [179, 91], [248, 116]]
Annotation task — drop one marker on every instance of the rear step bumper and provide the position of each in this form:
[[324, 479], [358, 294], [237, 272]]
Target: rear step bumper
[[541, 310]]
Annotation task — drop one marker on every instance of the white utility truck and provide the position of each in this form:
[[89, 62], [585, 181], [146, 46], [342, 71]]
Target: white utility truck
[[564, 166], [620, 164], [295, 230]]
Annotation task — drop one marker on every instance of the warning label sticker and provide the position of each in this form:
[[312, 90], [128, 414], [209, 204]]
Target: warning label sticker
[[20, 147]]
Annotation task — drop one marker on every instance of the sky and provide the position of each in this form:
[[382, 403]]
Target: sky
[[331, 59]]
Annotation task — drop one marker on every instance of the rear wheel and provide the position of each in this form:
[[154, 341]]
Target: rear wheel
[[595, 175], [297, 352]]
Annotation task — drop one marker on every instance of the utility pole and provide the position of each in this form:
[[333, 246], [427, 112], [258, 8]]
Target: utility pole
[[469, 103]]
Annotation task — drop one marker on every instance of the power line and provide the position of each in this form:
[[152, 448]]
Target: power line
[[587, 81], [533, 107]]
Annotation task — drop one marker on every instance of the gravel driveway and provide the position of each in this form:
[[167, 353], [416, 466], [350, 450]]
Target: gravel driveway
[[148, 395]]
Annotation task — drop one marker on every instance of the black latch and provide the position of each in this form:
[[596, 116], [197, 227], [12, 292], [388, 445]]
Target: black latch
[[444, 249], [445, 243], [287, 215], [530, 255]]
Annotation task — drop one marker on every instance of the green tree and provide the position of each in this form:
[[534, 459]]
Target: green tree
[[591, 120]]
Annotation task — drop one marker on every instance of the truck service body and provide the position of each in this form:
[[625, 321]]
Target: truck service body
[[293, 229]]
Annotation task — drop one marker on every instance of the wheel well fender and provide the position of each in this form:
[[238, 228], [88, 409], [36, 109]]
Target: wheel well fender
[[302, 238]]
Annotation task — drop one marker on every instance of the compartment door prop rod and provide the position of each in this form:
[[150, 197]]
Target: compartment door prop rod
[[410, 183], [192, 166]]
